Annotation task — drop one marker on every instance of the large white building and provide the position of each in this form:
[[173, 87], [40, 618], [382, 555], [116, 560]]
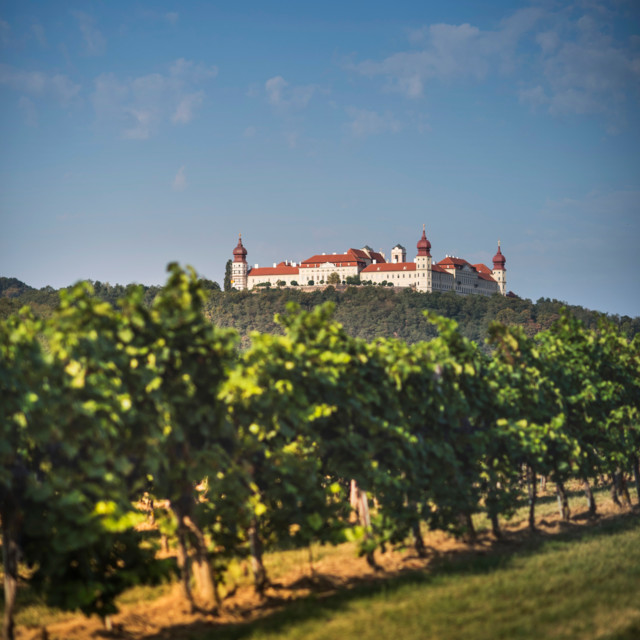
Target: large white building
[[450, 274]]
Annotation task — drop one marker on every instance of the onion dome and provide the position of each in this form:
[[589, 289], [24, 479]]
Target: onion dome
[[424, 246], [498, 260], [240, 253]]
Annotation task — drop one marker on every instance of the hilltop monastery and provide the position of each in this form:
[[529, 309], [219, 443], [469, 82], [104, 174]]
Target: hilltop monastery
[[450, 274]]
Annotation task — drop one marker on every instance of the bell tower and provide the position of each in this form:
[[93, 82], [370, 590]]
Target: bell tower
[[398, 254], [499, 272], [423, 263], [239, 267]]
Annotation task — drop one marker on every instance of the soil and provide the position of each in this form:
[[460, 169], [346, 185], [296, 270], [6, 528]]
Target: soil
[[171, 617]]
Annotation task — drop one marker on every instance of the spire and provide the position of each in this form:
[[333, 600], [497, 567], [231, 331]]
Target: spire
[[239, 253], [424, 246], [499, 260]]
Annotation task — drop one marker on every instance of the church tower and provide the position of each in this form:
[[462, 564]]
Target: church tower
[[398, 254], [499, 273], [239, 267], [423, 263]]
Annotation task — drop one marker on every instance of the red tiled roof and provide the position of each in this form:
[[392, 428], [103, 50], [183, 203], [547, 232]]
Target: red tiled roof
[[390, 266], [350, 259], [338, 263], [450, 262], [333, 258], [280, 270], [485, 276], [482, 268], [435, 267]]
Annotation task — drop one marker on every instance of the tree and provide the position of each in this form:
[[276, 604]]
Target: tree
[[227, 276], [333, 278], [274, 404], [209, 285], [281, 283], [64, 500], [192, 358], [533, 411]]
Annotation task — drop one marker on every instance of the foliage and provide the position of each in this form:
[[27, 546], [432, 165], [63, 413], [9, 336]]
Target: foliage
[[257, 448], [227, 276]]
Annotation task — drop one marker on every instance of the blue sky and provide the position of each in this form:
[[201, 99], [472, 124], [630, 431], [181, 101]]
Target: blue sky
[[133, 134]]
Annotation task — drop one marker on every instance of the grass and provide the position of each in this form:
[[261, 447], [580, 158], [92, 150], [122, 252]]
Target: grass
[[564, 582], [32, 611], [574, 585]]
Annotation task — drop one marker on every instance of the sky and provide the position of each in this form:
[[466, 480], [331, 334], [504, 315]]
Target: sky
[[134, 134]]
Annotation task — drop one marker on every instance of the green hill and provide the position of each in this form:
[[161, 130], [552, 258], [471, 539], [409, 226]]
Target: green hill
[[370, 312], [366, 312]]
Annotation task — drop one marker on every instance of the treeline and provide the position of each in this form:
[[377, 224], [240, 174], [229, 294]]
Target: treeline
[[365, 312], [372, 312], [284, 442], [14, 294]]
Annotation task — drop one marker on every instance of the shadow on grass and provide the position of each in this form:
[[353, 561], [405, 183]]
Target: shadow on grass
[[331, 595], [549, 495]]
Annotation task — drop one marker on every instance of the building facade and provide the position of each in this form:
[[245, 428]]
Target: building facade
[[450, 274]]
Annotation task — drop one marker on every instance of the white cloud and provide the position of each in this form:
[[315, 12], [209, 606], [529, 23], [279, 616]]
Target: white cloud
[[451, 51], [366, 123], [144, 122], [171, 17], [139, 106], [28, 108], [180, 180], [591, 74], [284, 96], [184, 111], [274, 87], [109, 95], [94, 42], [535, 96], [40, 84], [548, 41], [580, 68], [567, 58], [190, 71]]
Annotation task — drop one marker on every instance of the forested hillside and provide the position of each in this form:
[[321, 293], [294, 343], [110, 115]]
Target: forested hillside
[[370, 312], [365, 312]]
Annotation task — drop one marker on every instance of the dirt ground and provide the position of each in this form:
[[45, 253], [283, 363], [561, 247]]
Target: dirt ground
[[170, 616]]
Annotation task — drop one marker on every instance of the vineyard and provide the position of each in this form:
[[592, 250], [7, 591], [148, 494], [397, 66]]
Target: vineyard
[[129, 429]]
